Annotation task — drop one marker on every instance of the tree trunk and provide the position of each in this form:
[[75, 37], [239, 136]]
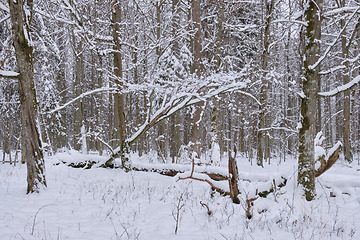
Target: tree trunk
[[347, 104], [233, 180], [31, 149], [79, 105], [263, 141], [307, 133], [219, 34], [215, 145], [175, 119], [100, 109], [196, 69], [119, 102]]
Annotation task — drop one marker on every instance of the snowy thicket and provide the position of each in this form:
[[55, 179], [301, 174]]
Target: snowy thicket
[[173, 87], [76, 83], [111, 204]]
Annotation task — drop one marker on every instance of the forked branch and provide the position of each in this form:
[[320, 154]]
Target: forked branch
[[222, 192]]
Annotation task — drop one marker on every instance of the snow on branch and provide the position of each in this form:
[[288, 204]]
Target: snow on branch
[[332, 70], [9, 74], [175, 96], [278, 128], [4, 8], [194, 92], [5, 18], [341, 88], [315, 65], [340, 11], [82, 96], [290, 21]]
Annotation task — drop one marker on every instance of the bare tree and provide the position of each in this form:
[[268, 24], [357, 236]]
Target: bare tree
[[263, 141], [310, 81], [196, 69], [119, 102], [21, 14]]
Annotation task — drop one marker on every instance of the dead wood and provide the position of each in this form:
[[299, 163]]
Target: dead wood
[[222, 192], [326, 165], [209, 212], [233, 179], [249, 204]]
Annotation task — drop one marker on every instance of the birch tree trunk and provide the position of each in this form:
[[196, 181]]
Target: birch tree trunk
[[307, 133], [31, 145]]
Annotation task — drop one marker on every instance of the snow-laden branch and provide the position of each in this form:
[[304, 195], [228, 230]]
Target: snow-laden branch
[[82, 96], [278, 128], [4, 8], [9, 74], [242, 27], [332, 70], [340, 11], [199, 93], [290, 21], [5, 18], [315, 65], [341, 88], [187, 93]]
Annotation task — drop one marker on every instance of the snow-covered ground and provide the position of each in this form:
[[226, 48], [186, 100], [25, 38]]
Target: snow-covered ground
[[102, 204]]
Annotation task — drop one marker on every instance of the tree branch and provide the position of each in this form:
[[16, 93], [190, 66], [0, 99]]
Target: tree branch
[[8, 74], [340, 89], [82, 96], [222, 192], [333, 156]]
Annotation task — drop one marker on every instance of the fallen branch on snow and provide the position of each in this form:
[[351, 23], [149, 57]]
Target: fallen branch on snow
[[222, 192]]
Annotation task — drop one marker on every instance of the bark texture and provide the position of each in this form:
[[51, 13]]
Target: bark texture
[[327, 164], [307, 133], [196, 69], [31, 145], [233, 180], [119, 102], [347, 103], [263, 141]]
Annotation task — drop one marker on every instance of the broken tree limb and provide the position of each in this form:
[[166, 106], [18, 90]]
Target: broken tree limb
[[222, 192], [331, 159], [233, 179], [249, 204]]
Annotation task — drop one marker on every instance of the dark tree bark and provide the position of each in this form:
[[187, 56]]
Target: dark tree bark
[[78, 89], [196, 69], [347, 103], [233, 180], [175, 120], [263, 141], [31, 145], [119, 102], [307, 133]]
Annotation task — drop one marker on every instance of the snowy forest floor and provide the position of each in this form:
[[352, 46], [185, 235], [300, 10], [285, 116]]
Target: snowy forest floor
[[103, 203]]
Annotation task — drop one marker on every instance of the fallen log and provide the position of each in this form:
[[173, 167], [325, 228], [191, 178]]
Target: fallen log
[[87, 164]]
